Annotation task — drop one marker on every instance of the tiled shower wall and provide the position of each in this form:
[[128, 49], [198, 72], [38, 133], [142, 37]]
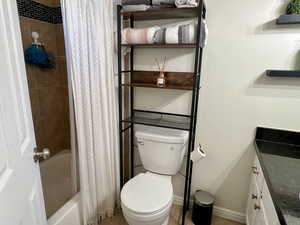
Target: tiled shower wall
[[48, 88]]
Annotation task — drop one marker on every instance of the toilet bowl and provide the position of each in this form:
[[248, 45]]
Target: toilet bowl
[[147, 199]]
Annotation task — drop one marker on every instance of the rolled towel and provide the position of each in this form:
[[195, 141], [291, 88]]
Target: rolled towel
[[180, 2], [182, 33], [128, 8], [136, 2], [176, 34], [139, 36], [163, 2]]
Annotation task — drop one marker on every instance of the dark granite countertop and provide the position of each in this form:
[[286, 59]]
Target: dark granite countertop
[[279, 154]]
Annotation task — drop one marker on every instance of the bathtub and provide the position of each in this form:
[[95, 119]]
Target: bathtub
[[61, 201]]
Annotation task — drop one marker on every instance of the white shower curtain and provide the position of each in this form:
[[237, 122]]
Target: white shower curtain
[[88, 26]]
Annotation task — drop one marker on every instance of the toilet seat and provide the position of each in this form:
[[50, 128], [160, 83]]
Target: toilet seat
[[147, 194]]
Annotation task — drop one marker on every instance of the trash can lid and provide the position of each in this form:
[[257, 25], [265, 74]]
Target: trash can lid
[[204, 198]]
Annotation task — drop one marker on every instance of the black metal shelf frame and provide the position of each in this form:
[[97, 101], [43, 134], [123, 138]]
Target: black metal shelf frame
[[161, 119]]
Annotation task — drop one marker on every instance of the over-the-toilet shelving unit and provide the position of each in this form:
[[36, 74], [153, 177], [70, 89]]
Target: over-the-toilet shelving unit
[[183, 81]]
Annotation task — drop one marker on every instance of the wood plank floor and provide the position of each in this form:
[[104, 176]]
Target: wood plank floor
[[118, 219]]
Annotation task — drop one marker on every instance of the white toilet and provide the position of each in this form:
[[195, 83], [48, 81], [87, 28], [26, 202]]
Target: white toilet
[[147, 198]]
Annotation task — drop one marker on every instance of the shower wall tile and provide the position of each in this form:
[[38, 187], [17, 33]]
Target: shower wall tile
[[39, 134], [35, 104], [48, 88], [50, 3], [60, 40], [47, 34], [26, 31], [47, 77], [62, 70], [31, 77], [41, 10], [55, 117]]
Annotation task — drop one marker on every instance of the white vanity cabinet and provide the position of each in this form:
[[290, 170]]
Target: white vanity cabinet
[[260, 207]]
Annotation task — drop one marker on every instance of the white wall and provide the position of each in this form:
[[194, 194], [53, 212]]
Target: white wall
[[236, 96]]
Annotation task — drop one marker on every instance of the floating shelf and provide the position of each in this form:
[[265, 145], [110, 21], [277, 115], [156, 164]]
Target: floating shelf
[[165, 13], [174, 80], [283, 73], [157, 119], [289, 19], [160, 45]]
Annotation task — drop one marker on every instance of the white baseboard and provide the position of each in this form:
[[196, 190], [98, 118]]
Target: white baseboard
[[230, 215], [218, 211]]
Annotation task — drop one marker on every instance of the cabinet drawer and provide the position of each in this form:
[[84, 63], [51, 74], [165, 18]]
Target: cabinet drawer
[[253, 198], [269, 207], [258, 173]]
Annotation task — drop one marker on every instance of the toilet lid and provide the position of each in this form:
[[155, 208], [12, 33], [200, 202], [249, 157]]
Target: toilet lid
[[147, 193]]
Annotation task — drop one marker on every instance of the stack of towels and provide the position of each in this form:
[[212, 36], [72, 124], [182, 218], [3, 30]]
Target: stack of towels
[[179, 33], [143, 5]]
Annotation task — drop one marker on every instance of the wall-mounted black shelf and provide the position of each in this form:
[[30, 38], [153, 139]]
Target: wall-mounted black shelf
[[288, 19], [283, 73]]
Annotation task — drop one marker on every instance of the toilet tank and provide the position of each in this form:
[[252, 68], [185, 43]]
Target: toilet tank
[[161, 150]]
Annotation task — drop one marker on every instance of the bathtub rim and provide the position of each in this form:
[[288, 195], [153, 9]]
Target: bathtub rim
[[62, 212]]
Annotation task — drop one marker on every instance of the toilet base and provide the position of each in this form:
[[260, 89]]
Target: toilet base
[[146, 223]]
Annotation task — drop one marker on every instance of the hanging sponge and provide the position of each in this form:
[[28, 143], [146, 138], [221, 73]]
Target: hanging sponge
[[294, 7], [36, 54]]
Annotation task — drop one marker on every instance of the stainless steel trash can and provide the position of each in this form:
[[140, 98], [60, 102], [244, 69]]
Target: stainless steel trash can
[[202, 208]]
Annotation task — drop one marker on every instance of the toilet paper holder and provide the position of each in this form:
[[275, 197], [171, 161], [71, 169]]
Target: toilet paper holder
[[198, 154]]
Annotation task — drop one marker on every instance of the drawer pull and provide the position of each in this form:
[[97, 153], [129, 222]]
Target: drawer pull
[[256, 207], [255, 170], [254, 196]]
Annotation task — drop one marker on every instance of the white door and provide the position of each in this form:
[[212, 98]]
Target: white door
[[21, 198]]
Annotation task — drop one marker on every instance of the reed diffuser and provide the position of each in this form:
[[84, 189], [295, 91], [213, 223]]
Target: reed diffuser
[[161, 80]]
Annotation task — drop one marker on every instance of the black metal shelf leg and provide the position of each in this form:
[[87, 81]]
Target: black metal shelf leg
[[120, 92], [195, 98], [132, 104]]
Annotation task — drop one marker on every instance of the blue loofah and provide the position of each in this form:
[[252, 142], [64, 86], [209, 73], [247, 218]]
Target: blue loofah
[[36, 55]]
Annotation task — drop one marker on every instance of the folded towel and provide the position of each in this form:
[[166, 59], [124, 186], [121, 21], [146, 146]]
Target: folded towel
[[128, 8], [139, 36], [136, 2], [186, 3], [163, 2]]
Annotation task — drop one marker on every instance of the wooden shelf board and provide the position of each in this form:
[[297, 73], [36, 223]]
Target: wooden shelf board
[[174, 80], [176, 87], [164, 13]]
